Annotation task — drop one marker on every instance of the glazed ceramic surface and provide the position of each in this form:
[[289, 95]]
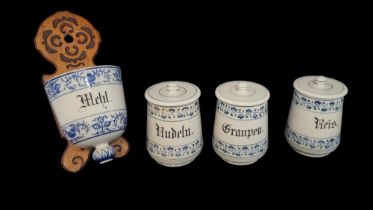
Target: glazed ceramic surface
[[240, 135], [90, 108], [315, 117], [174, 132]]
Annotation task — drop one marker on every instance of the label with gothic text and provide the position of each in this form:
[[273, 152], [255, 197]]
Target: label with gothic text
[[88, 103], [174, 132], [315, 118], [241, 132], [231, 127]]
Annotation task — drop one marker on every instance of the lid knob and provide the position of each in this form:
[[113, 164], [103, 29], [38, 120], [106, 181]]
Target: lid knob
[[321, 83], [242, 86], [172, 93], [320, 80], [172, 87], [242, 89]]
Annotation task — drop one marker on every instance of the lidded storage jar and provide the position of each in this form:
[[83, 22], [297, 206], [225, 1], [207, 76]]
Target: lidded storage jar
[[240, 134], [174, 131], [314, 123]]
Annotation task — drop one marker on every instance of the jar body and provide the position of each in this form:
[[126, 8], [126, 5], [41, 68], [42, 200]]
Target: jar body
[[240, 135], [89, 107], [314, 125], [174, 133]]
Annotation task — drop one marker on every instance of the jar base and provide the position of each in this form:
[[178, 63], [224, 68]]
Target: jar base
[[238, 161], [311, 146], [251, 154], [175, 163], [308, 153]]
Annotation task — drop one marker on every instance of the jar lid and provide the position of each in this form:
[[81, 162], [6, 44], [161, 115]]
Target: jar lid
[[242, 93], [172, 93], [320, 87]]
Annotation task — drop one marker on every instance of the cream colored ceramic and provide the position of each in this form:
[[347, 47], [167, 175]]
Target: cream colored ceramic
[[90, 108], [240, 134], [315, 118], [174, 131]]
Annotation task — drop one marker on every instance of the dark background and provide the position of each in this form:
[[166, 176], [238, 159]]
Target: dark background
[[205, 45]]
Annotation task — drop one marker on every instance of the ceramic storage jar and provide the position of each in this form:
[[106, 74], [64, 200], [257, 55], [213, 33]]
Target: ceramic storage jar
[[174, 131], [314, 123], [90, 107], [240, 135]]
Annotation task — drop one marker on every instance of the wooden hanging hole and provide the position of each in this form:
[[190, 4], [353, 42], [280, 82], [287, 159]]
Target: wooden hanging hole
[[68, 39]]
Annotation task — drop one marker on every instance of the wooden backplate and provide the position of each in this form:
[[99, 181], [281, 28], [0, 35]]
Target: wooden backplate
[[70, 42]]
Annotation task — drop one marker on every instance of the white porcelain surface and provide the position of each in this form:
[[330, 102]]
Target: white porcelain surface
[[89, 107], [315, 117], [240, 135], [174, 131], [242, 93]]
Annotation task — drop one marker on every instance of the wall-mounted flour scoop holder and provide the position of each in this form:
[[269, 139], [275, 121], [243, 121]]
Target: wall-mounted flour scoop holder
[[87, 101]]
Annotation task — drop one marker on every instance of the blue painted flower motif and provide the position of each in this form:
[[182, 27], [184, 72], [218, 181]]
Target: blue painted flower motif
[[102, 125], [243, 151], [117, 76], [317, 105], [119, 120], [96, 125], [242, 113], [311, 143], [173, 113], [76, 131], [175, 151], [71, 133], [78, 80], [53, 89], [91, 78]]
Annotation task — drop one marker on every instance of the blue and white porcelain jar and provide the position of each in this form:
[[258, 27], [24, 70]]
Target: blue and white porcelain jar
[[90, 107], [174, 131], [240, 134], [315, 118]]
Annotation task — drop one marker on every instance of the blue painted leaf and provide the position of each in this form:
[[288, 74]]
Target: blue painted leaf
[[107, 124]]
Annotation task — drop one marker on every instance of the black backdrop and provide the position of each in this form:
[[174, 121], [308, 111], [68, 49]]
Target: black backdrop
[[205, 45]]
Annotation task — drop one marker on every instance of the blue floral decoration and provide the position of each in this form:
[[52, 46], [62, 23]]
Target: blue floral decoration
[[317, 105], [242, 112], [311, 143], [100, 124], [240, 151], [176, 113], [103, 154], [77, 80], [175, 151]]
